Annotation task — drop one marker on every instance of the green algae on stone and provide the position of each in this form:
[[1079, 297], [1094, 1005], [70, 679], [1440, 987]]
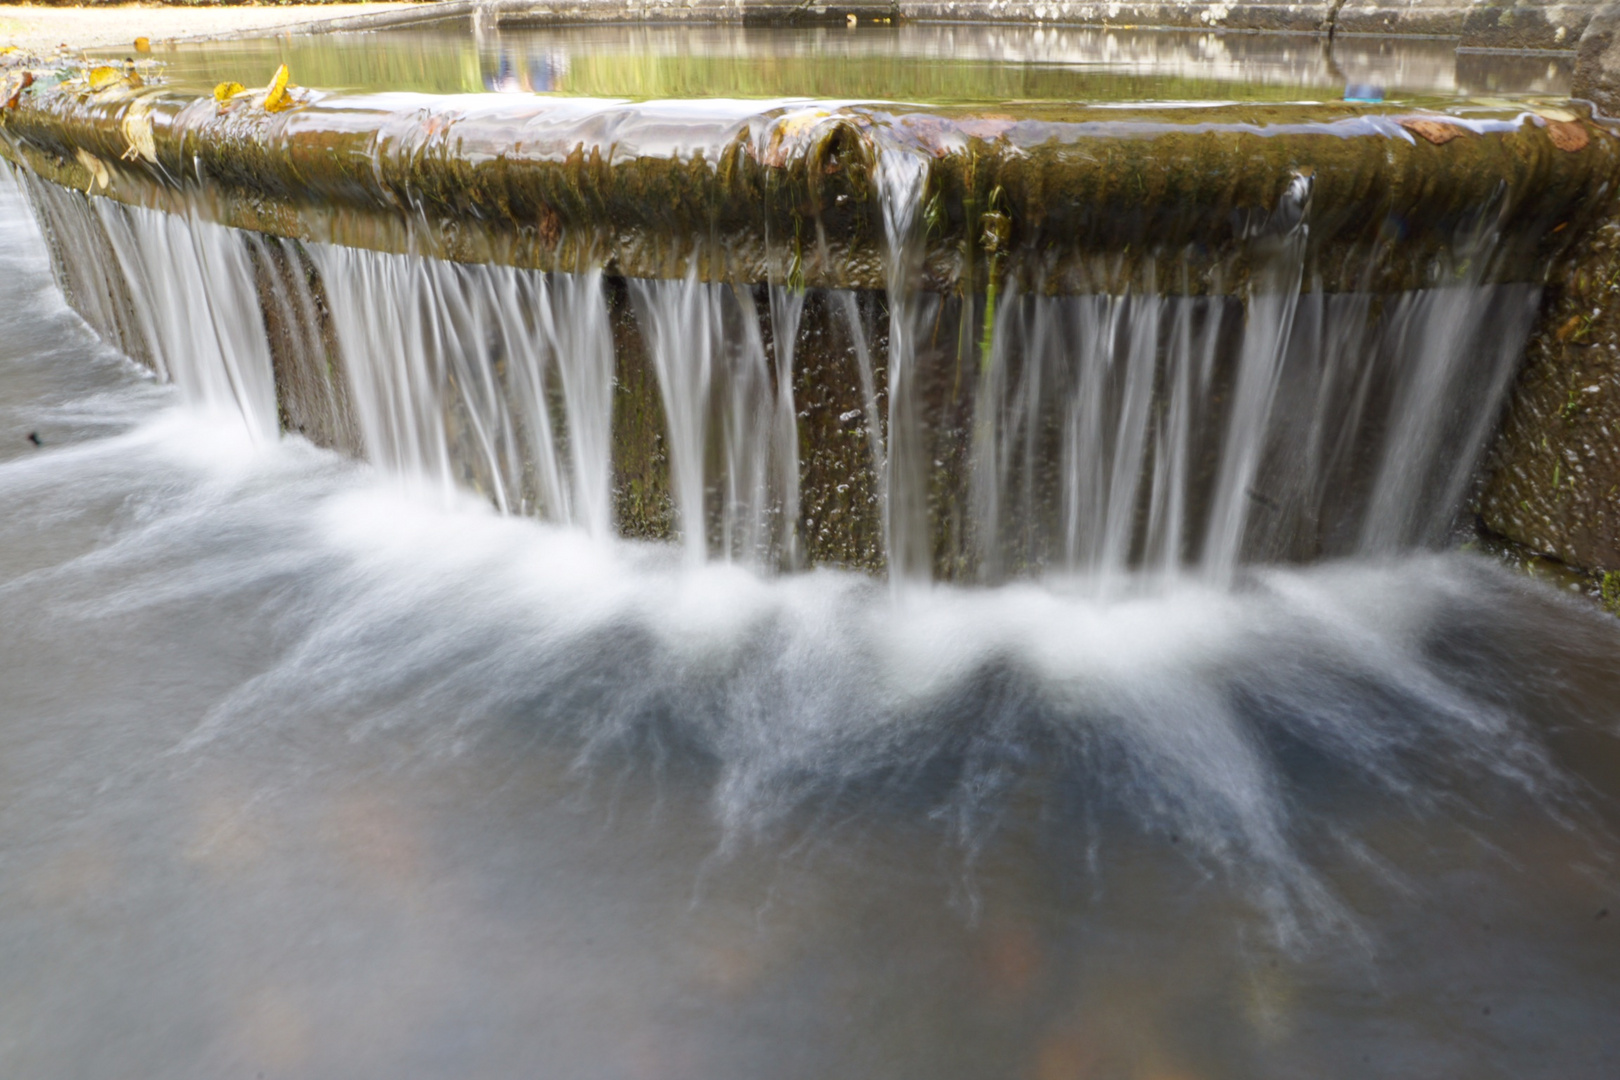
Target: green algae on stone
[[522, 183], [1554, 479]]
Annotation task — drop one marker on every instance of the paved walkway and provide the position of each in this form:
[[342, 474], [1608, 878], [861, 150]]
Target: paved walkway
[[42, 29]]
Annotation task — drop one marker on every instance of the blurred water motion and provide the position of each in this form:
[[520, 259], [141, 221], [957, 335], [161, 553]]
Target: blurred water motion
[[303, 775]]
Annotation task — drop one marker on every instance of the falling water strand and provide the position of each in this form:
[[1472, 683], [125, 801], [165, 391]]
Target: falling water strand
[[171, 290], [680, 325], [787, 309], [487, 376], [1271, 302], [902, 178], [716, 382], [1111, 431], [1444, 407]]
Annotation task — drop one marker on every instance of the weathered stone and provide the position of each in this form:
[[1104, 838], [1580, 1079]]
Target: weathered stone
[[553, 185], [1597, 63], [1554, 483]]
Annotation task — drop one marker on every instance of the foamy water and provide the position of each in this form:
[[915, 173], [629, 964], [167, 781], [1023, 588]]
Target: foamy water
[[306, 772]]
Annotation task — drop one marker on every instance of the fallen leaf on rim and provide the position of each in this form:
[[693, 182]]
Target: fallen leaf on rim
[[227, 90], [103, 78], [1436, 131], [137, 127], [277, 98], [11, 90], [1567, 135], [95, 167]]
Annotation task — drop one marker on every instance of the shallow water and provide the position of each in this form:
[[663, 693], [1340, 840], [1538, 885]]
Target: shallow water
[[305, 773], [939, 63]]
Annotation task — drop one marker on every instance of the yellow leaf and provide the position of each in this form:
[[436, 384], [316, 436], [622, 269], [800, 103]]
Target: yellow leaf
[[103, 77], [276, 98], [143, 44], [137, 126], [94, 166], [227, 90]]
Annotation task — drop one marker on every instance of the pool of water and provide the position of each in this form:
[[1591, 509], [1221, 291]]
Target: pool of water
[[937, 63], [306, 772]]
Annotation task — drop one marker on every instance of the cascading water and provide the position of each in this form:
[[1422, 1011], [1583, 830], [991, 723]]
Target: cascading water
[[902, 180], [307, 773], [1109, 432], [712, 367], [178, 294], [495, 374]]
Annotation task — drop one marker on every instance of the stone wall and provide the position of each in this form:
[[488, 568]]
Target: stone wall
[[1553, 485]]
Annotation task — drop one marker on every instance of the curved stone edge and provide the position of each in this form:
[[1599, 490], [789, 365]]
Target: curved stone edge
[[788, 195]]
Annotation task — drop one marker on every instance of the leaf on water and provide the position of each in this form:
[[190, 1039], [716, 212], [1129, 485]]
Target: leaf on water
[[1567, 135], [104, 78], [227, 90], [276, 97], [143, 44], [137, 126], [1548, 112], [1436, 131]]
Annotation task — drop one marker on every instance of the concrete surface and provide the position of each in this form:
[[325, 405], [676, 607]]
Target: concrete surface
[[42, 29]]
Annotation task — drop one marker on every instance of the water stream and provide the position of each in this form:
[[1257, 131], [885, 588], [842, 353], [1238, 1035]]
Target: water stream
[[1111, 432], [321, 766]]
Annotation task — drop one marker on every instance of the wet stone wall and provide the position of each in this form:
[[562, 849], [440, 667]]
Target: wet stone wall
[[1554, 484]]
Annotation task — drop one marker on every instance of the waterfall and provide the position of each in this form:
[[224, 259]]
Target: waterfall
[[902, 180], [173, 291], [713, 375], [1118, 437], [1354, 426], [487, 375]]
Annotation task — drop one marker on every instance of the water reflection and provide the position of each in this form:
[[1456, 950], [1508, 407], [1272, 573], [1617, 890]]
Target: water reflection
[[947, 63]]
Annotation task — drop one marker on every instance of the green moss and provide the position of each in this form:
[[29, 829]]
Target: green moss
[[1609, 589]]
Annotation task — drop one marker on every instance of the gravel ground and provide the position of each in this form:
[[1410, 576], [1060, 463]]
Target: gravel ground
[[42, 29]]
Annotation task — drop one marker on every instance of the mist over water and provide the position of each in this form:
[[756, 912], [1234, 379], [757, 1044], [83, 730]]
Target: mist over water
[[305, 772]]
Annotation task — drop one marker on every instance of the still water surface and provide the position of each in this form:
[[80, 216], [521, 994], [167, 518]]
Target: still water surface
[[303, 773], [939, 63]]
